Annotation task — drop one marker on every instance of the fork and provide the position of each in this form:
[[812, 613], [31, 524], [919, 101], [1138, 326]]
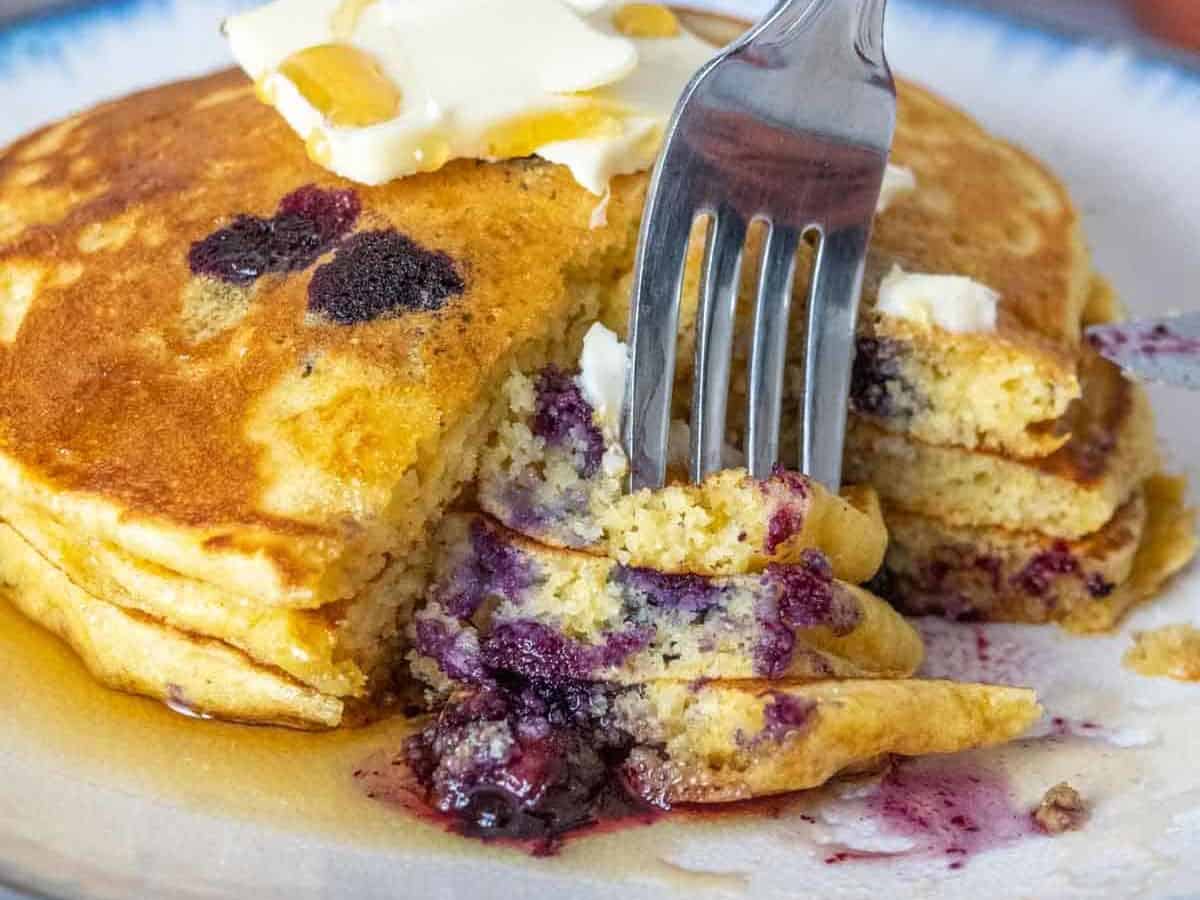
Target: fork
[[790, 125]]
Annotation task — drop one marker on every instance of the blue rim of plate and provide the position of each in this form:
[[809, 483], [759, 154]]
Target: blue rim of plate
[[42, 34]]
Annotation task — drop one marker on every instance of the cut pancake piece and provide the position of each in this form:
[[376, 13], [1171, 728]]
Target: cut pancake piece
[[530, 759], [983, 209], [132, 652], [972, 390], [1069, 494], [728, 741], [1004, 576], [555, 472], [238, 367], [503, 603], [987, 210]]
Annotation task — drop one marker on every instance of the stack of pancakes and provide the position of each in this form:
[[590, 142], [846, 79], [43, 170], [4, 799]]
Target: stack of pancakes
[[1015, 466], [239, 392], [1017, 469]]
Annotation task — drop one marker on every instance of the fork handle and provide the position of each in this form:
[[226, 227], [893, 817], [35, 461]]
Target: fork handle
[[792, 20]]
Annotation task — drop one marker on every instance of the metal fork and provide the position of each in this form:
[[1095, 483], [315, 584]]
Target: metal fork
[[791, 125]]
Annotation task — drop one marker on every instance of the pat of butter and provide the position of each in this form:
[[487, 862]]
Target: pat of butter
[[897, 181], [474, 79], [952, 302], [602, 376]]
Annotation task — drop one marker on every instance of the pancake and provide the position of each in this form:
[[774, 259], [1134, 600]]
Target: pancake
[[275, 436], [1008, 576], [723, 742], [1004, 576], [564, 486], [240, 392], [550, 755], [136, 653], [1069, 494], [500, 601], [340, 649], [982, 208]]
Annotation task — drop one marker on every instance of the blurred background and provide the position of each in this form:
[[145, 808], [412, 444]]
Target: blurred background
[[1173, 22]]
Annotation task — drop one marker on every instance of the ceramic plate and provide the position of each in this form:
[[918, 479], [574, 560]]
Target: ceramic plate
[[104, 796]]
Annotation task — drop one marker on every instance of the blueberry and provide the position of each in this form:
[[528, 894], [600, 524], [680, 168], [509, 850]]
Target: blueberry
[[382, 273]]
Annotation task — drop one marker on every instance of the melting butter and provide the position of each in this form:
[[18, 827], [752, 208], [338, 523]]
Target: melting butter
[[646, 20], [344, 84], [416, 83], [951, 302]]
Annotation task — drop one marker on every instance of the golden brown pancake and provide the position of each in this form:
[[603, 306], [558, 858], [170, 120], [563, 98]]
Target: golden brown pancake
[[228, 430], [702, 746], [135, 653], [239, 392], [249, 387], [1010, 576], [1071, 493]]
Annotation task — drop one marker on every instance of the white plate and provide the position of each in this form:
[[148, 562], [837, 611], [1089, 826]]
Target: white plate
[[99, 799]]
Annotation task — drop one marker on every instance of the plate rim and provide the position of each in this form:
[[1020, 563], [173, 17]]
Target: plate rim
[[40, 34], [36, 33]]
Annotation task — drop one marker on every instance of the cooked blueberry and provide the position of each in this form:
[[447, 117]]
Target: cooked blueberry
[[877, 387], [376, 274], [307, 223], [1035, 579], [456, 651], [776, 645], [491, 567], [808, 597], [684, 592], [525, 760], [332, 213], [534, 650], [786, 715], [564, 419], [1098, 586]]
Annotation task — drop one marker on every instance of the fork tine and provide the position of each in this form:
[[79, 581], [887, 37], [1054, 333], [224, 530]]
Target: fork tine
[[832, 314], [714, 340], [653, 333], [769, 348]]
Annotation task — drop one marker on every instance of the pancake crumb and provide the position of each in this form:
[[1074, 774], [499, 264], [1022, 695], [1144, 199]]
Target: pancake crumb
[[1172, 651], [1061, 809]]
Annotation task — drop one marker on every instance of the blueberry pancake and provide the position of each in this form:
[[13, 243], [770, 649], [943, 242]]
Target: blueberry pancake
[[259, 384], [502, 602], [995, 574], [555, 471], [533, 760]]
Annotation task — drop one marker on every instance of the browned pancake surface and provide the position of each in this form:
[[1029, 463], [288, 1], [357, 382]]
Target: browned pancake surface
[[128, 378]]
